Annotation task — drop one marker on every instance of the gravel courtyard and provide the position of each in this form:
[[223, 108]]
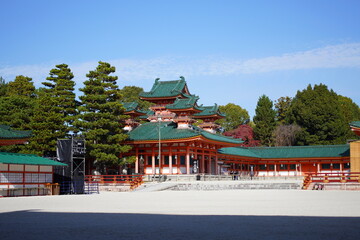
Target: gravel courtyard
[[230, 214]]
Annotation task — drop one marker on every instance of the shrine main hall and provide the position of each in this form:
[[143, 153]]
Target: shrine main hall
[[179, 136]]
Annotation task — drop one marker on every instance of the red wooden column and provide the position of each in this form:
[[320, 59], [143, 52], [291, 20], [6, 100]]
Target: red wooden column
[[216, 165], [202, 162], [209, 164], [187, 161], [153, 161], [170, 163], [137, 161]]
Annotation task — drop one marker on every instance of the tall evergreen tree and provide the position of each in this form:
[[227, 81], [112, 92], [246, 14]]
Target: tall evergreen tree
[[264, 120], [317, 111], [46, 124], [17, 107], [21, 86], [60, 86], [101, 115], [54, 112]]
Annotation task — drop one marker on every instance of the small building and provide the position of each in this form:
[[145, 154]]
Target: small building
[[23, 174], [9, 136], [288, 161]]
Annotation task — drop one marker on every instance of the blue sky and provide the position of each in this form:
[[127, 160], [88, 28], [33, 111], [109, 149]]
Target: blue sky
[[228, 51]]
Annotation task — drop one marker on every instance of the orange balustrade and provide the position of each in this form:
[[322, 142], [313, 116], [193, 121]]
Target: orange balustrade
[[340, 177], [134, 180]]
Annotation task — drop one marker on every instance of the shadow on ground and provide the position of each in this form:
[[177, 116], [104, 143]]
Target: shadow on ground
[[45, 225]]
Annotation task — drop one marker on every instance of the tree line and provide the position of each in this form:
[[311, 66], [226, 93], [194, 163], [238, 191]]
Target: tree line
[[316, 115], [52, 112]]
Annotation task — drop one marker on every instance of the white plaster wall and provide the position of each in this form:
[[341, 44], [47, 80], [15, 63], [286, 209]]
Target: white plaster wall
[[45, 168], [3, 166], [31, 168], [16, 167]]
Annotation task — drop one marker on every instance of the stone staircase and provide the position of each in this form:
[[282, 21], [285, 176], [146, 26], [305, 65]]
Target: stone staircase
[[219, 185]]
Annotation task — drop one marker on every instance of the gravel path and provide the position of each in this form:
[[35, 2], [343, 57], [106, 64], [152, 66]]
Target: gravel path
[[236, 214]]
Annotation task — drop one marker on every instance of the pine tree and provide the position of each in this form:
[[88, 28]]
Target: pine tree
[[54, 112], [17, 107], [101, 114], [47, 125], [264, 120], [61, 87]]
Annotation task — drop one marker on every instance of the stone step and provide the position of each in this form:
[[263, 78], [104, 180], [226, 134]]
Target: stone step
[[216, 187]]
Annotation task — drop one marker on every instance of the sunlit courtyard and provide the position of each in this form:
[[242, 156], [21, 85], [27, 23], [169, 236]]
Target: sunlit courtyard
[[232, 214]]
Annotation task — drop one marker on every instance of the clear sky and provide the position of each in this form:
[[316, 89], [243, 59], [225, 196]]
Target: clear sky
[[228, 51]]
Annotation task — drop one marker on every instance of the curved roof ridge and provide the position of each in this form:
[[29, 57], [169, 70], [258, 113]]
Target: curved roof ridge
[[355, 124], [298, 147]]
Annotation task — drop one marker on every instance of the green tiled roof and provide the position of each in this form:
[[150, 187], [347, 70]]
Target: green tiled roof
[[290, 152], [147, 114], [169, 131], [209, 110], [7, 133], [132, 106], [16, 158], [355, 124], [165, 89], [184, 103]]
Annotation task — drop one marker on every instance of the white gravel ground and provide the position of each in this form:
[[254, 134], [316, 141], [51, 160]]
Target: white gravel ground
[[233, 214]]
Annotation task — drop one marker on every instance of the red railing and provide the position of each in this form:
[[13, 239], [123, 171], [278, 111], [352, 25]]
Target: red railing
[[111, 178], [134, 180], [340, 177]]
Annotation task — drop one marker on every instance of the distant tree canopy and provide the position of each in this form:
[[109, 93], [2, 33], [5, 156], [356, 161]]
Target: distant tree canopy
[[235, 116], [264, 120], [131, 94], [317, 110], [3, 87], [351, 112], [282, 106]]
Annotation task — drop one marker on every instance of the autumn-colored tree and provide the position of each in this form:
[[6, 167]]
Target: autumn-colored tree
[[246, 133]]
